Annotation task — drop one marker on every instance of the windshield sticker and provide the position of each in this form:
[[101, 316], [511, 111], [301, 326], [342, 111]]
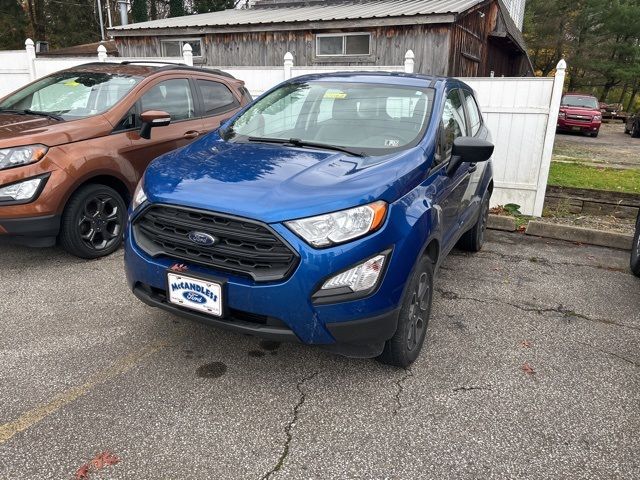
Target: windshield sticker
[[391, 142], [71, 83], [336, 95]]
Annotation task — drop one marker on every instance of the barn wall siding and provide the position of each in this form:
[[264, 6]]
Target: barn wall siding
[[430, 43]]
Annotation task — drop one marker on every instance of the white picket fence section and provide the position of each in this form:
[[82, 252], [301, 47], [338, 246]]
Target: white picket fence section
[[520, 112]]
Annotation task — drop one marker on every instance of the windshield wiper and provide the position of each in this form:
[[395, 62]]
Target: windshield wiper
[[28, 111], [296, 142]]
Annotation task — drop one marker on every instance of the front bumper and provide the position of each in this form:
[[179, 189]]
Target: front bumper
[[34, 231], [573, 126], [284, 310]]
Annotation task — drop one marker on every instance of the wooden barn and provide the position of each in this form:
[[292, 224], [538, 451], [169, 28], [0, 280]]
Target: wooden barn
[[465, 38]]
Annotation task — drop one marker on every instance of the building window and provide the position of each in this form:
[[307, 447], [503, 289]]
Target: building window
[[173, 48], [343, 44]]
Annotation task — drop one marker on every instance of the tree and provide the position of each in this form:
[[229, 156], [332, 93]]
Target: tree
[[600, 41], [36, 14], [206, 6], [13, 25], [176, 8], [67, 27], [139, 11]]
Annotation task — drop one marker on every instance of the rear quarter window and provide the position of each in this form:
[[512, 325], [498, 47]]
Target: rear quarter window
[[217, 97]]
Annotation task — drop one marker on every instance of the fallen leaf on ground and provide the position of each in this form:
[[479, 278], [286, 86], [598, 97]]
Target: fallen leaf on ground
[[83, 472], [525, 344], [103, 459], [528, 369]]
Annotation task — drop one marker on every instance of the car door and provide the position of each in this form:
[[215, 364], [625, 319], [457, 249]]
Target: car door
[[176, 97], [217, 100], [470, 200], [454, 184]]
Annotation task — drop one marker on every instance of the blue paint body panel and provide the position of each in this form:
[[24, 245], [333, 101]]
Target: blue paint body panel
[[274, 183]]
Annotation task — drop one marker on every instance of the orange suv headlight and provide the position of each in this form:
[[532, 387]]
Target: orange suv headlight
[[18, 156]]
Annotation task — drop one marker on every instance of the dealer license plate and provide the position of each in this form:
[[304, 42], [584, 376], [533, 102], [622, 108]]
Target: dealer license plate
[[195, 293]]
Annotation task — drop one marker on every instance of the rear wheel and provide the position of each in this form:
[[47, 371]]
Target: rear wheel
[[635, 130], [93, 222], [404, 347], [473, 240], [635, 251]]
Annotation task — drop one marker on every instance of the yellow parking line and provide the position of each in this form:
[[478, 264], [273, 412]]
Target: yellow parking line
[[33, 416]]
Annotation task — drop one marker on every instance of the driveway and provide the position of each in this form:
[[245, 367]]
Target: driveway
[[531, 370], [612, 148]]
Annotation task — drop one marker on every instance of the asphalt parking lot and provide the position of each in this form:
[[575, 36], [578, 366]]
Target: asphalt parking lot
[[531, 370]]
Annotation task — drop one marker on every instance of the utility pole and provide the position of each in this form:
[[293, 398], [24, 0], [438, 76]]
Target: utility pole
[[101, 21]]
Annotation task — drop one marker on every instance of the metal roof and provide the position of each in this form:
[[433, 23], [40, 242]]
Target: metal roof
[[378, 9]]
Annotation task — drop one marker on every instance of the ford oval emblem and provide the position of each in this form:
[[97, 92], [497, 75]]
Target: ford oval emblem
[[194, 297], [202, 238]]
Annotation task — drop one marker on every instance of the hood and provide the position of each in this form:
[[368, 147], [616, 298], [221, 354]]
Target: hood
[[580, 110], [17, 129], [274, 183]]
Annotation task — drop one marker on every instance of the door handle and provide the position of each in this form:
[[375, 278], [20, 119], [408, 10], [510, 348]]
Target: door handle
[[191, 134]]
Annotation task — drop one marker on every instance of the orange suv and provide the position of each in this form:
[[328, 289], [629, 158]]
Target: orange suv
[[74, 144]]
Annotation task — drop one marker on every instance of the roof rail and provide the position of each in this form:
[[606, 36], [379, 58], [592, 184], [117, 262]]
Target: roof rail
[[162, 66]]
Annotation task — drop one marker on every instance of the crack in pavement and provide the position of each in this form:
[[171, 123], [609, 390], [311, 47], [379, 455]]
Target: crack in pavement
[[400, 389], [539, 261], [289, 427], [560, 309], [606, 352], [487, 388]]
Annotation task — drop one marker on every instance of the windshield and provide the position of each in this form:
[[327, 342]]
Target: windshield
[[580, 102], [370, 118], [72, 95]]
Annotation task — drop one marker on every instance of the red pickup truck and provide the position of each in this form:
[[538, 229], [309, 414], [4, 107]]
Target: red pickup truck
[[579, 113]]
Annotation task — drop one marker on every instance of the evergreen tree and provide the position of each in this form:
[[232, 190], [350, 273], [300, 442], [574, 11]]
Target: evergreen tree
[[206, 6], [176, 8], [139, 11], [13, 25], [67, 27]]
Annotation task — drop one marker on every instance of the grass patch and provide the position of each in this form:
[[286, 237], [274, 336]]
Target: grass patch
[[580, 176]]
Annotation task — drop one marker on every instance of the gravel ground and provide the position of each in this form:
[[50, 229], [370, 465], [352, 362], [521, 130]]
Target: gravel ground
[[531, 370], [612, 148]]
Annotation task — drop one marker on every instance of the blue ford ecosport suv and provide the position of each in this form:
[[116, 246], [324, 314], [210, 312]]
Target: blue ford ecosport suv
[[319, 213]]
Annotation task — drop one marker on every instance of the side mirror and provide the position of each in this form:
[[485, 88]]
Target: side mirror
[[469, 150], [153, 118]]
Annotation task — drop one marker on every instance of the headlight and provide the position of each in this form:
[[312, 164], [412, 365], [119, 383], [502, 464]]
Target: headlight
[[597, 118], [17, 156], [340, 227], [562, 115], [21, 191], [139, 197]]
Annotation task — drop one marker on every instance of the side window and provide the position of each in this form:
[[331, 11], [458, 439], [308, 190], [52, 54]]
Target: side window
[[171, 96], [453, 126], [217, 97], [128, 122], [475, 119]]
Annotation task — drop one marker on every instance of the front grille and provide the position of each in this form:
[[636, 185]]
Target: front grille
[[242, 246], [580, 118]]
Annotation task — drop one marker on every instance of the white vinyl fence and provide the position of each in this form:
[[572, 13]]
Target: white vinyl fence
[[520, 112]]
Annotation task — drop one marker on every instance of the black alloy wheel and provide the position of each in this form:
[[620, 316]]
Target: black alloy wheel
[[93, 222]]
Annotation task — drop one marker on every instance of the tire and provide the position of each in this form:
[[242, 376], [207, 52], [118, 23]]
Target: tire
[[93, 222], [404, 347], [635, 251], [594, 135], [473, 240], [635, 130]]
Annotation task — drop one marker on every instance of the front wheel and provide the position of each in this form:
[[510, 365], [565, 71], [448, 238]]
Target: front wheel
[[635, 130], [93, 222], [635, 251], [404, 347]]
